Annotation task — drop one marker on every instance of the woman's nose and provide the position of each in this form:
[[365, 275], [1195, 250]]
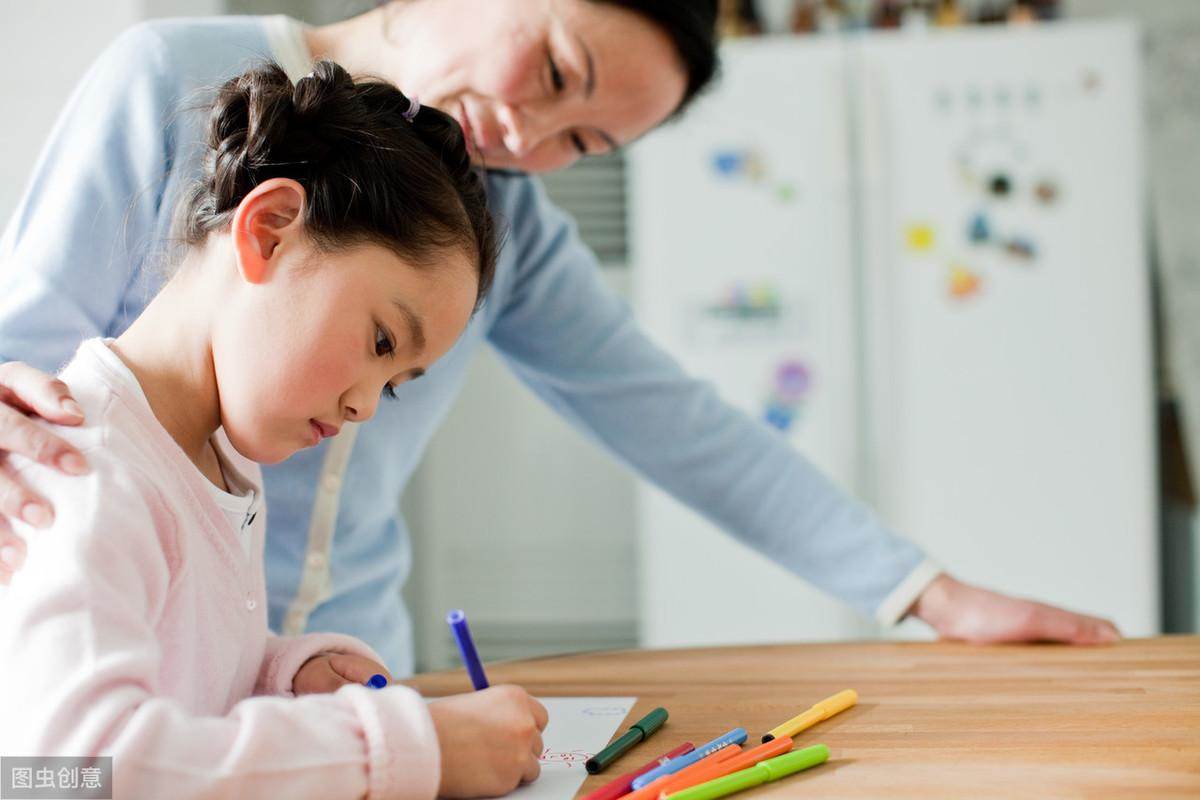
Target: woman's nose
[[523, 129]]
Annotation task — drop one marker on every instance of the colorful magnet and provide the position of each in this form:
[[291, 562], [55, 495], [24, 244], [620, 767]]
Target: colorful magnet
[[963, 282], [779, 417], [791, 381], [920, 237], [1046, 192], [789, 390], [727, 164], [785, 192], [1020, 248], [1000, 185], [754, 168], [979, 232]]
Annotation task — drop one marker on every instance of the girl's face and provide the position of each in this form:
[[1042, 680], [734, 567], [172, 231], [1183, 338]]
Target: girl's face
[[536, 84], [307, 341]]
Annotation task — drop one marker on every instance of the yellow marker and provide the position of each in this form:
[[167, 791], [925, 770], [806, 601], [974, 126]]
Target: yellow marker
[[820, 711]]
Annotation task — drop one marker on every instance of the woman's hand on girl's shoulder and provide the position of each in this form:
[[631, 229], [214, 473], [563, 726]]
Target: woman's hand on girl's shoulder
[[24, 393]]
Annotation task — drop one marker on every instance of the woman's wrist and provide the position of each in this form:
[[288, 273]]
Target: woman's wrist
[[933, 606]]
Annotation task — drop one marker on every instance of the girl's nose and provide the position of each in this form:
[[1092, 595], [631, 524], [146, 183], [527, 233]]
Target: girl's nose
[[359, 408]]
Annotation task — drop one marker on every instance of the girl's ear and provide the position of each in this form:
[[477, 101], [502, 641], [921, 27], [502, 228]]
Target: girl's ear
[[268, 218]]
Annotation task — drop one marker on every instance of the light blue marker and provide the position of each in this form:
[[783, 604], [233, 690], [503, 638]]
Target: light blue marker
[[735, 736]]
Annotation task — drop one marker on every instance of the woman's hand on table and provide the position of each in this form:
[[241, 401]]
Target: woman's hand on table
[[957, 610], [24, 393]]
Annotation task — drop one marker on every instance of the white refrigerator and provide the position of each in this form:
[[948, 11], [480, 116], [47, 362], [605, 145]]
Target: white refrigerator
[[919, 256]]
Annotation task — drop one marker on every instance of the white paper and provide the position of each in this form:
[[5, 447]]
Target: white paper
[[579, 728]]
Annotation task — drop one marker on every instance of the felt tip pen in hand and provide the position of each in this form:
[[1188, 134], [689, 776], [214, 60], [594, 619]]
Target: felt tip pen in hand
[[377, 681], [466, 647], [638, 732], [735, 736]]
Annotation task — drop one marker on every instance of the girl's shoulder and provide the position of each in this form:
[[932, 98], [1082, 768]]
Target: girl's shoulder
[[128, 488]]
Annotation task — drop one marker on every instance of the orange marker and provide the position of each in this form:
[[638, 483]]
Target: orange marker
[[652, 790], [687, 778]]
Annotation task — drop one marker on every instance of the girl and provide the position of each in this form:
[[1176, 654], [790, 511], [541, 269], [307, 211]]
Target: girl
[[536, 84], [336, 246]]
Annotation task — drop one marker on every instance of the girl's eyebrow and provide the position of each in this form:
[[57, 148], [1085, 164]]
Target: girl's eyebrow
[[415, 329]]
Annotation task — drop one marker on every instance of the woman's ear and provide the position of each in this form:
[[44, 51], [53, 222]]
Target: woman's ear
[[269, 217]]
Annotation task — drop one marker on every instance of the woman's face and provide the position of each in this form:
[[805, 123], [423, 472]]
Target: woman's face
[[537, 84]]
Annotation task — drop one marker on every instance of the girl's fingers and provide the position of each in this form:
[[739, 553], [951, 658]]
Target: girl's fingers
[[533, 768], [32, 391], [538, 745], [318, 677], [356, 669], [18, 502], [540, 715]]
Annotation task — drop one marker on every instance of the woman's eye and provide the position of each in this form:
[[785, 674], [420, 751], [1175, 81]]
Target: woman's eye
[[556, 78], [578, 143], [383, 342]]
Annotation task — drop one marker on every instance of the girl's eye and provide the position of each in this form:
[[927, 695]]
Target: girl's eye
[[383, 342], [389, 391], [556, 78], [578, 143]]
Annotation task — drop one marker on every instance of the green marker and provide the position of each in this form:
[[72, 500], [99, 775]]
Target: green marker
[[640, 731], [770, 770]]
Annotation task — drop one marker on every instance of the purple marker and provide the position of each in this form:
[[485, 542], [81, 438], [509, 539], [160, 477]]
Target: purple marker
[[466, 647]]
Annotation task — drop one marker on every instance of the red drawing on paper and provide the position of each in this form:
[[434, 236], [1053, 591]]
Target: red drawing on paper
[[570, 758]]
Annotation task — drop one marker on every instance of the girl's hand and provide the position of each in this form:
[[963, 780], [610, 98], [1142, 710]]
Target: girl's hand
[[490, 741], [328, 672], [960, 611], [26, 392]]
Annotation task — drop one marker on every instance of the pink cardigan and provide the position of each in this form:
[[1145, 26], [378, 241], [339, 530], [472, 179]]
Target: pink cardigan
[[137, 628]]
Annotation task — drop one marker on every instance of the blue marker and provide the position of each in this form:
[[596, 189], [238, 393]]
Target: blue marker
[[735, 736], [377, 681], [466, 647]]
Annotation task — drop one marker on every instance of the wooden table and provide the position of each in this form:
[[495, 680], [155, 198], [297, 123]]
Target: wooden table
[[933, 719]]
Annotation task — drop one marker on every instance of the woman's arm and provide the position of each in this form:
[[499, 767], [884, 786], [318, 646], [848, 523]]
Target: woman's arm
[[577, 346], [70, 249]]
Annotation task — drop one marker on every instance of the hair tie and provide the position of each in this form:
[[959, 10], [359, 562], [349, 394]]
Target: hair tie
[[413, 107]]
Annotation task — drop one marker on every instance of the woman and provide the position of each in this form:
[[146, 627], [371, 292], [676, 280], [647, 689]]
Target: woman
[[536, 84]]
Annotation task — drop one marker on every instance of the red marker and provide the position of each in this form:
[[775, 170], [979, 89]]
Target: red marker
[[623, 784]]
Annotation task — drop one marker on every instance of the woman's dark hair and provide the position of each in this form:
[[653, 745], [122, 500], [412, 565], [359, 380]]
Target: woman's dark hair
[[370, 174], [692, 27]]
